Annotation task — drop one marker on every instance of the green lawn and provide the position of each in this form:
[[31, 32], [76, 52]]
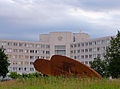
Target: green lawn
[[61, 83]]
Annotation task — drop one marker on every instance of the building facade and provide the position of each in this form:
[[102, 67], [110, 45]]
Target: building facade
[[79, 46]]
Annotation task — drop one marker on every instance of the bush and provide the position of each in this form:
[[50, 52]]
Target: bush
[[14, 75]]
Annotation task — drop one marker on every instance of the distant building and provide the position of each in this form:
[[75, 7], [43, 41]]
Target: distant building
[[78, 46]]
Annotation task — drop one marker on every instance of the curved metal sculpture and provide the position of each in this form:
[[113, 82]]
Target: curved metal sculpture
[[62, 65]]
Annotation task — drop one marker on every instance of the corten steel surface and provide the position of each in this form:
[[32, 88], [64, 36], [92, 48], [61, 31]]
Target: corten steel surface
[[61, 65]]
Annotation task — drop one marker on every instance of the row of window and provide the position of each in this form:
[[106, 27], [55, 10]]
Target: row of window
[[86, 62], [88, 50], [90, 56], [9, 50], [25, 44], [90, 43], [57, 47], [26, 57], [20, 69], [21, 63]]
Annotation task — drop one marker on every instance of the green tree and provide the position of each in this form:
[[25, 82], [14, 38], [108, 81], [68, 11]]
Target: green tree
[[99, 66], [3, 63], [113, 56]]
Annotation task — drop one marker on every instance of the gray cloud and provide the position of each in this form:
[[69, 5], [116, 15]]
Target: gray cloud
[[40, 16]]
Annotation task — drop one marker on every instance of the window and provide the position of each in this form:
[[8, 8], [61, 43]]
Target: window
[[75, 45], [26, 45], [37, 45], [9, 56], [73, 38], [47, 57], [108, 41], [26, 62], [86, 44], [60, 52], [9, 43], [98, 48], [103, 48], [71, 46], [26, 57], [14, 62], [15, 44], [20, 50], [47, 52], [78, 57], [103, 55], [98, 55], [90, 49], [36, 57], [98, 42], [47, 46], [75, 57], [36, 51], [31, 57], [42, 57], [31, 69], [31, 63], [90, 56], [82, 50], [82, 44], [94, 49], [57, 47], [25, 69], [3, 43], [74, 51], [78, 51], [14, 68], [31, 51], [9, 50], [71, 52], [26, 51], [82, 56], [15, 50], [21, 62], [20, 56], [20, 44], [78, 44], [42, 46], [20, 68], [86, 62], [86, 56], [86, 50], [94, 43], [94, 56], [31, 45], [90, 43], [103, 42]]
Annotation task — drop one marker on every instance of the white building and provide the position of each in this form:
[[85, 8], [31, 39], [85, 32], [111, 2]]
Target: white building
[[78, 46]]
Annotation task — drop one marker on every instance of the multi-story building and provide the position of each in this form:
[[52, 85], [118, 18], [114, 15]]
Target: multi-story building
[[78, 46]]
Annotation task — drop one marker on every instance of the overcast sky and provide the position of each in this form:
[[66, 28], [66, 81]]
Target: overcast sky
[[26, 19]]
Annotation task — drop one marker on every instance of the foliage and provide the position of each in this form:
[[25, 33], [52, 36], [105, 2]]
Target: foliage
[[14, 75], [99, 66], [3, 63], [61, 83], [113, 56]]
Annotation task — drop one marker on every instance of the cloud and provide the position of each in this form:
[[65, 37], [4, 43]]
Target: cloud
[[40, 16]]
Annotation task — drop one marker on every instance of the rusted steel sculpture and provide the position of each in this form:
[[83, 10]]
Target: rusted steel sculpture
[[62, 65]]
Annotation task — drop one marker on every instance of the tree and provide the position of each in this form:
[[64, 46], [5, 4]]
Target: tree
[[3, 63], [99, 66], [113, 56]]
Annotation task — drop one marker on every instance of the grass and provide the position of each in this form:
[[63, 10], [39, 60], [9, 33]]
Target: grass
[[60, 83]]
